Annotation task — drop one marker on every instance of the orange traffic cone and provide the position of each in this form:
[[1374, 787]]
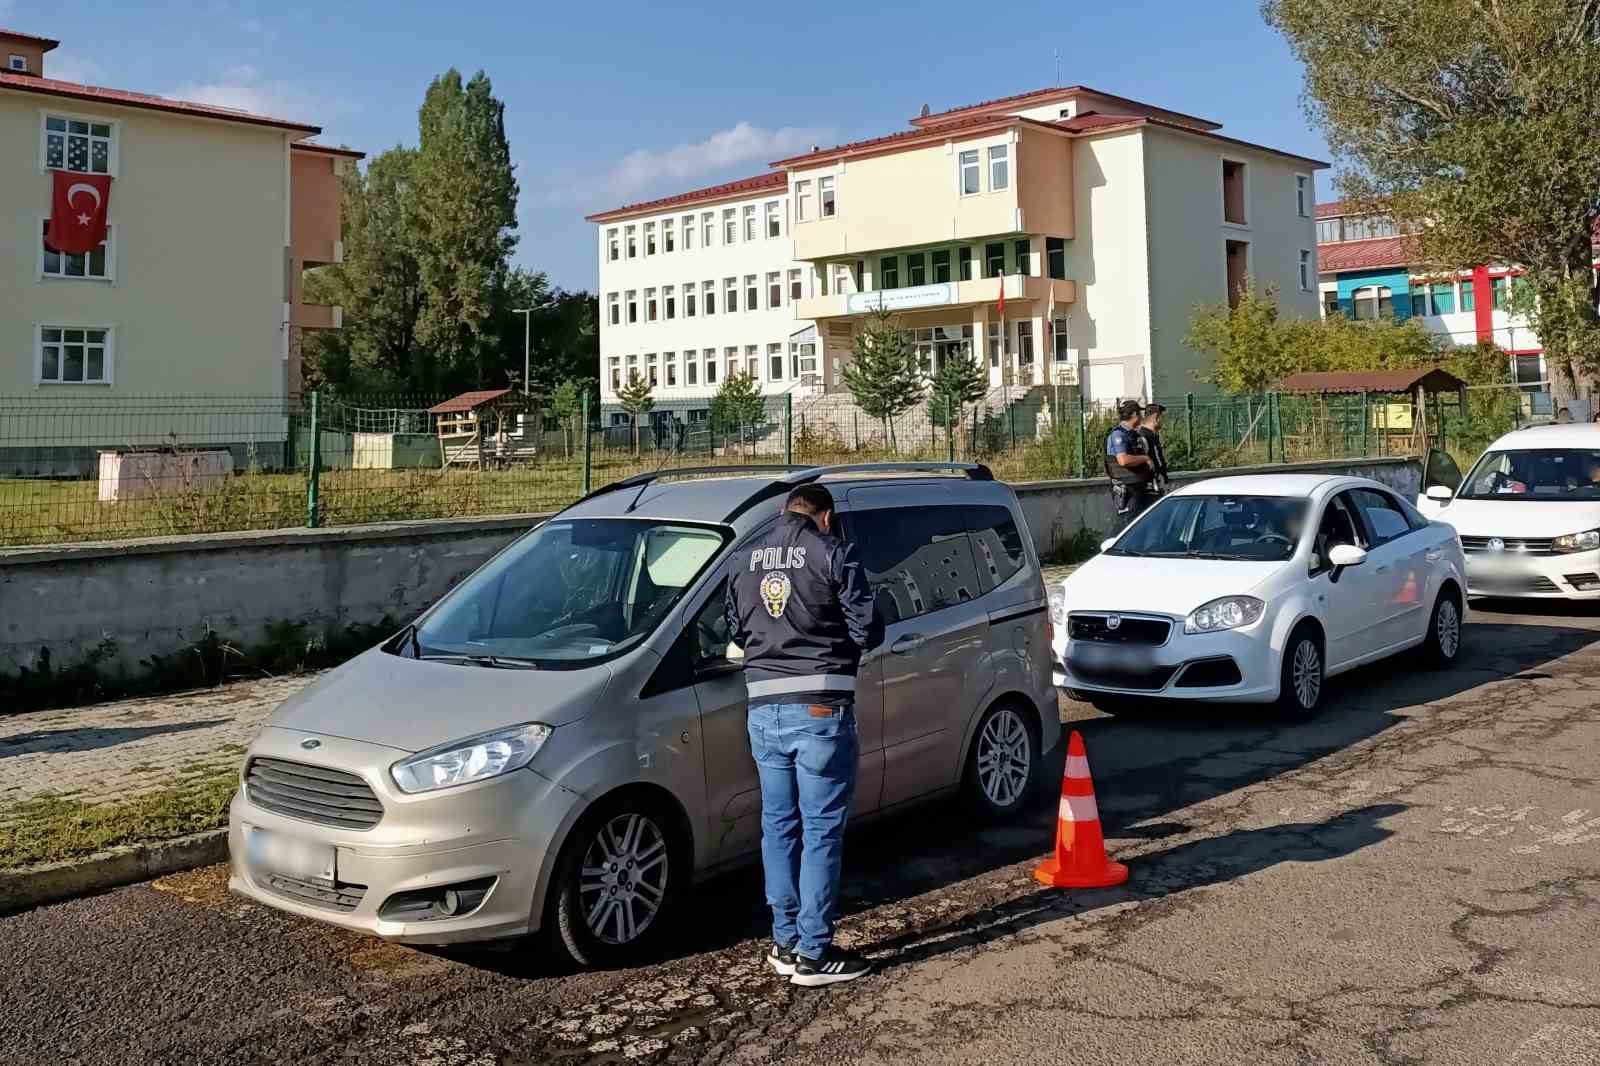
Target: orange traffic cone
[[1080, 859]]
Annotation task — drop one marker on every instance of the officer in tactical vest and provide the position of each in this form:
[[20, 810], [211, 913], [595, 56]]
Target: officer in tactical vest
[[1130, 469], [799, 605]]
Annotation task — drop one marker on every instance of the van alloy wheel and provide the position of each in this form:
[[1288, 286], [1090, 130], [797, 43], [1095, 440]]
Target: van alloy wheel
[[1004, 758], [623, 881]]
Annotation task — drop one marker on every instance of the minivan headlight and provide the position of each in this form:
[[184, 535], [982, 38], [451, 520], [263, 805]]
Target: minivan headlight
[[1058, 606], [476, 758], [1587, 541], [1225, 612]]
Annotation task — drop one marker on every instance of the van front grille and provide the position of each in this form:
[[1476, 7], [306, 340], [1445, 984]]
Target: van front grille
[[312, 794]]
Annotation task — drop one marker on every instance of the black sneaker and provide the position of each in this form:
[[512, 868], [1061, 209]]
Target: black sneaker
[[781, 959], [834, 966]]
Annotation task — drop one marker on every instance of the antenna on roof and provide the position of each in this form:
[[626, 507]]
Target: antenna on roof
[[1058, 67], [924, 110]]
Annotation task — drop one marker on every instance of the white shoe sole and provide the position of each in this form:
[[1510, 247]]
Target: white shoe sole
[[819, 980]]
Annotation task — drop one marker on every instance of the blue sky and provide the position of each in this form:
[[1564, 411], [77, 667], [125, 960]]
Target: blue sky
[[616, 102]]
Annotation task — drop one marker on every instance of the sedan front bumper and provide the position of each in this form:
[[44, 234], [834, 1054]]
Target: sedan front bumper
[[1236, 665]]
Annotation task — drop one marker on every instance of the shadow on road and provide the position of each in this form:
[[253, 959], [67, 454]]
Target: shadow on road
[[90, 738]]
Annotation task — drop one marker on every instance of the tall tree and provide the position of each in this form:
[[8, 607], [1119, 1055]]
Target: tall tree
[[637, 397], [884, 376], [1480, 134], [961, 380], [466, 200]]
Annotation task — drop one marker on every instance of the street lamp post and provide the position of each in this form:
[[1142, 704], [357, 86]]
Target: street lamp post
[[527, 328]]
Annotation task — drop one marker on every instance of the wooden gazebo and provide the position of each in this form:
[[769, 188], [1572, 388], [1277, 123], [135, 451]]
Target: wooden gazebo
[[1415, 385], [475, 428]]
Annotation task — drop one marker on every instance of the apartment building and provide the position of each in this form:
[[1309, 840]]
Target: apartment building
[[1366, 272], [1061, 235], [212, 216]]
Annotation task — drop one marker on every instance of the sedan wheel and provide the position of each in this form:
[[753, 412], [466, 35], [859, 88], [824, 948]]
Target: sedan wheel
[[1002, 762], [1300, 688], [616, 881], [1444, 631]]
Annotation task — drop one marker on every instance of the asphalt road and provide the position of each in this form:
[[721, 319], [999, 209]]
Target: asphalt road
[[1413, 877]]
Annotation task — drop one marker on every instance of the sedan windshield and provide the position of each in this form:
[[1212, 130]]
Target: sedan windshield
[[1253, 528], [569, 594], [1535, 474]]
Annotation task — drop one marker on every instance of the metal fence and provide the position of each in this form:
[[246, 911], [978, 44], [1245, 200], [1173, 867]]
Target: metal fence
[[104, 468]]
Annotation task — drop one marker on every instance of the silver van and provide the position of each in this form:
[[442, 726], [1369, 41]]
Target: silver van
[[559, 744]]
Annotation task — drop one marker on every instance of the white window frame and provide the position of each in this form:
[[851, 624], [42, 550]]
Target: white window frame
[[708, 298], [775, 351], [669, 241], [113, 155], [669, 360], [613, 245], [796, 285], [827, 199], [688, 224], [802, 200], [110, 277], [690, 293], [999, 155], [751, 222], [774, 215], [650, 246], [669, 303], [774, 281], [630, 242], [961, 171], [108, 365], [730, 225], [1306, 271], [614, 306], [710, 375], [752, 292], [17, 63], [1302, 194], [708, 228]]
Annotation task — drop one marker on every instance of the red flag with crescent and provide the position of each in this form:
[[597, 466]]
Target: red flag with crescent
[[78, 212]]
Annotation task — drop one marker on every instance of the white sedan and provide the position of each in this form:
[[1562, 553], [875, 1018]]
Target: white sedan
[[1257, 589]]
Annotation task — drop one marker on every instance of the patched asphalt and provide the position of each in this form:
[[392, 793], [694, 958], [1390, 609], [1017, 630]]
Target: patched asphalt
[[1411, 877]]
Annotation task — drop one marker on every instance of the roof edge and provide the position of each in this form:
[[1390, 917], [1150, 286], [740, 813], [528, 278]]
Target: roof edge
[[728, 190], [327, 149], [142, 102], [50, 44]]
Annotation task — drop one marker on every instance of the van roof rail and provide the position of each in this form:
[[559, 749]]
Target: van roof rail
[[649, 476], [973, 471]]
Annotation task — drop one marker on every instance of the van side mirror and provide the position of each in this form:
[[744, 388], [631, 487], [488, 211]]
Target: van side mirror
[[1107, 544], [1441, 493]]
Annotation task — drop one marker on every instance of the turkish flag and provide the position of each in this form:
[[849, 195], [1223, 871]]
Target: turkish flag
[[78, 212]]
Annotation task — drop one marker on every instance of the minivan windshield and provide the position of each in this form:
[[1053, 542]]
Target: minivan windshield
[[1535, 474], [571, 593], [1240, 528]]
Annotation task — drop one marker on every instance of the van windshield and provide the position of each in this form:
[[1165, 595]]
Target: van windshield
[[1535, 474], [1238, 528], [569, 594]]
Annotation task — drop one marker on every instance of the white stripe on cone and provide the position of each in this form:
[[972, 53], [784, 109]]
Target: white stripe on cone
[[1077, 767], [1079, 809]]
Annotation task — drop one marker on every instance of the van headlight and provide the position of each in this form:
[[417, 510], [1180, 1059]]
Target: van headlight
[[1225, 612], [476, 758], [1587, 541], [1058, 606]]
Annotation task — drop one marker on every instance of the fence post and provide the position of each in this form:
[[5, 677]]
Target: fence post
[[315, 464], [949, 431], [1366, 420], [1011, 417], [588, 446], [1188, 422], [1277, 418], [788, 428], [1083, 436]]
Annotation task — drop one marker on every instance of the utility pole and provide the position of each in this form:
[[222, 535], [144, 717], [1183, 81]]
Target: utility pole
[[527, 329]]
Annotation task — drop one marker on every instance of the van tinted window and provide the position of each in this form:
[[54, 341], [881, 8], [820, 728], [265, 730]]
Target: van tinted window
[[917, 559], [997, 541]]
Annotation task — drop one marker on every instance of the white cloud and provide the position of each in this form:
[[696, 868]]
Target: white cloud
[[657, 170], [69, 66], [245, 90]]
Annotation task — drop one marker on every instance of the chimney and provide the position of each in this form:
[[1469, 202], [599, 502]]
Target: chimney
[[22, 53]]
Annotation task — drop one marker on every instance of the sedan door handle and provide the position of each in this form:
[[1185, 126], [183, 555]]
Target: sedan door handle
[[907, 644], [1433, 556]]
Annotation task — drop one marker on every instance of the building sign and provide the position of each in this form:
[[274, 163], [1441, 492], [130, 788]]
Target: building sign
[[900, 299]]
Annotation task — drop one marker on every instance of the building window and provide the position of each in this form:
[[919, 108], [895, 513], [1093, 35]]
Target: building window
[[970, 181], [1469, 298], [999, 167], [688, 297], [1233, 192], [730, 295], [633, 306], [995, 340], [1024, 257], [802, 201], [1419, 300], [941, 266], [688, 232], [650, 369], [1529, 369], [839, 274], [1305, 270], [1055, 257], [669, 299], [711, 366], [1302, 195], [795, 286], [752, 293], [1330, 303], [1444, 298], [1498, 293], [708, 229], [72, 355], [749, 222], [1362, 227], [1328, 231], [825, 204], [752, 360], [1372, 302], [616, 373], [649, 305], [671, 361], [667, 236], [1060, 340], [889, 272], [1236, 264], [1025, 342], [17, 63], [708, 297], [964, 260], [691, 369], [649, 238], [77, 144], [95, 265], [731, 354], [774, 290], [994, 259], [730, 225], [614, 309], [774, 362], [774, 218], [916, 269], [633, 243], [613, 247]]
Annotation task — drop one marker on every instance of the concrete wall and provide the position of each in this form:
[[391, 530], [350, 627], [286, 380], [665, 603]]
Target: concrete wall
[[158, 596]]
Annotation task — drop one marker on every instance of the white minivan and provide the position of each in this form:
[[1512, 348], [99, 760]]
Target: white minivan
[[1527, 513]]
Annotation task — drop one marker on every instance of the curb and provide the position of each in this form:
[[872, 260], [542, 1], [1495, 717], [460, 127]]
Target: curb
[[52, 883]]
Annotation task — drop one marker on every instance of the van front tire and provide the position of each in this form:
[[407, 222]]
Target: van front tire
[[1003, 761]]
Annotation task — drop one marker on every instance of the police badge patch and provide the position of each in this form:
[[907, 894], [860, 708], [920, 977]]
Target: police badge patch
[[775, 589]]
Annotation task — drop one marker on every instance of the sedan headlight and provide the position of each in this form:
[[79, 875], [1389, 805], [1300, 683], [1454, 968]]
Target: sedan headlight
[[1226, 612], [1587, 541], [473, 759], [1058, 606]]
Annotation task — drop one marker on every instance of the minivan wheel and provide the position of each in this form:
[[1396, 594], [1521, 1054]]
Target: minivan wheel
[[1003, 761], [619, 875], [1303, 674], [1444, 630]]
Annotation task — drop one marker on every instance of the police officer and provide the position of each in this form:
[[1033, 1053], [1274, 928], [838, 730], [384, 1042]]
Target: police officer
[[799, 605], [1129, 468], [1150, 433]]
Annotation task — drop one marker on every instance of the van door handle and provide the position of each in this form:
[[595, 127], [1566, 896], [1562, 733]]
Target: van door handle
[[907, 644]]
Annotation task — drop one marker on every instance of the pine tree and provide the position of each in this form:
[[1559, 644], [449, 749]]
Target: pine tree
[[636, 397], [960, 381], [737, 404], [566, 404], [884, 376]]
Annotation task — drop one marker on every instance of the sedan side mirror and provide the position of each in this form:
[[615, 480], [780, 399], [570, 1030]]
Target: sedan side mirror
[[1441, 493], [1343, 555], [1107, 544]]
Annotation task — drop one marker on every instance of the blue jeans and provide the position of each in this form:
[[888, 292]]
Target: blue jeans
[[807, 764]]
